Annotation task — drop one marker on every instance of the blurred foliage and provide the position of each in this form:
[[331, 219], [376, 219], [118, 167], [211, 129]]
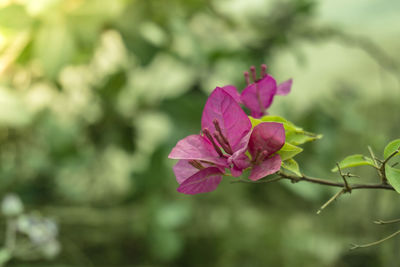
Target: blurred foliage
[[94, 94]]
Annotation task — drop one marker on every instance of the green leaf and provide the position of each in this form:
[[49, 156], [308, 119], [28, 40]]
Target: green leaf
[[291, 165], [286, 124], [353, 161], [301, 137], [391, 148], [289, 151], [393, 176]]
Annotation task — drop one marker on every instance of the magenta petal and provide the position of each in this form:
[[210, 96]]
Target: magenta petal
[[284, 88], [203, 181], [267, 167], [236, 172], [240, 161], [183, 170], [258, 96], [239, 158], [196, 147], [267, 136], [233, 121], [233, 92]]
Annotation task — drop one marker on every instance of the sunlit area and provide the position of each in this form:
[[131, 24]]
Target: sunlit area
[[94, 95]]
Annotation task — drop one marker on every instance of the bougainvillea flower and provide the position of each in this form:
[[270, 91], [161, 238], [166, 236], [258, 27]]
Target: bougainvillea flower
[[203, 158], [258, 96], [266, 139]]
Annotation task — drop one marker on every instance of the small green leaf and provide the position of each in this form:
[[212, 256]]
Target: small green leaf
[[286, 124], [391, 148], [393, 176], [301, 137], [289, 151], [291, 165], [353, 161]]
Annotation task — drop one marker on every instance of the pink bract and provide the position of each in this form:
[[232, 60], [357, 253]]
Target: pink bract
[[285, 87], [266, 139], [183, 170], [222, 107], [233, 92], [267, 136], [196, 147], [258, 96], [205, 180], [267, 167]]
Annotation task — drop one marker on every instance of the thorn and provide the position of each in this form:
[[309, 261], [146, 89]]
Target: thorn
[[346, 187], [331, 200], [351, 175]]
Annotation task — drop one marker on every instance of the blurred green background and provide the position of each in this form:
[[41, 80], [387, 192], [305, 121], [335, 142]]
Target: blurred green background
[[94, 94]]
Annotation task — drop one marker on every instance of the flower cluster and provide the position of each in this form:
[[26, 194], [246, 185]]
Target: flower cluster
[[228, 144]]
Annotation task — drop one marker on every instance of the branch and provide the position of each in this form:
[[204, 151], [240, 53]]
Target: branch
[[338, 194], [256, 182], [386, 222], [354, 246], [296, 179], [383, 179], [346, 189], [346, 186]]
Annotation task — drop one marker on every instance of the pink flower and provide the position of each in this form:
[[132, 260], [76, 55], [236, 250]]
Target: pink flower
[[227, 136], [258, 96], [266, 139], [223, 144]]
